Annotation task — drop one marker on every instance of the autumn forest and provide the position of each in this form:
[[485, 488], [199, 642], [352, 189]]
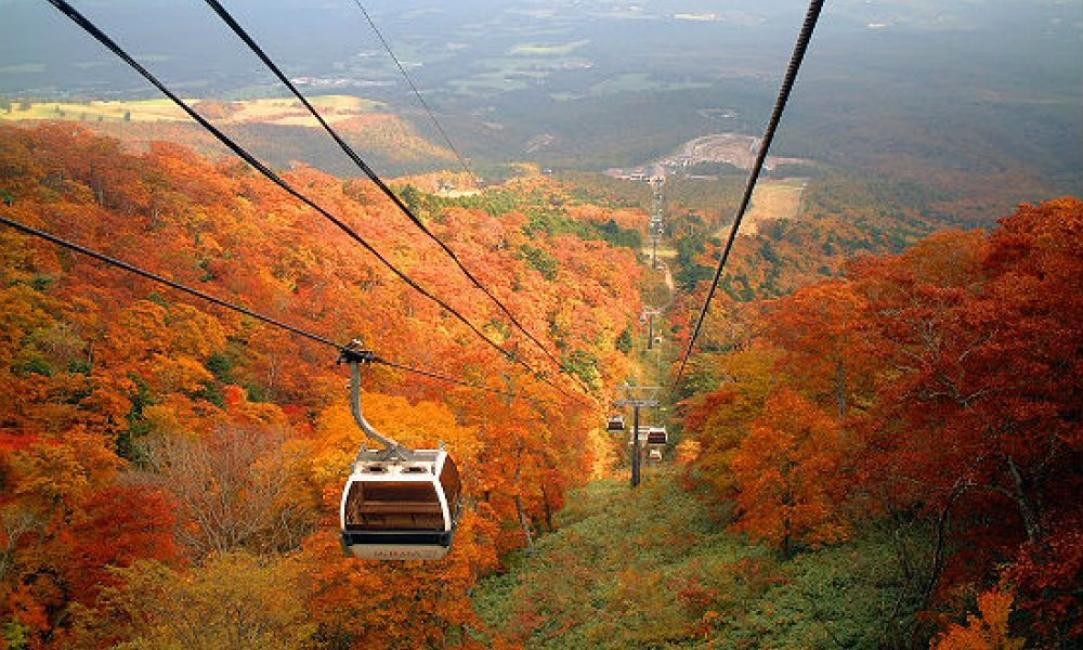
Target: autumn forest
[[158, 450], [871, 436]]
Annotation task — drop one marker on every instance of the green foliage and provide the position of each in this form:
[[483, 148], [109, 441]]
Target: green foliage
[[213, 393], [714, 168], [257, 393], [738, 287], [544, 211], [42, 282], [617, 236], [541, 260], [689, 248], [584, 365], [158, 298], [553, 221], [652, 568], [80, 366], [221, 366], [496, 202], [16, 635], [850, 596], [207, 275], [36, 364], [128, 446], [624, 341], [603, 579], [767, 252], [412, 197]]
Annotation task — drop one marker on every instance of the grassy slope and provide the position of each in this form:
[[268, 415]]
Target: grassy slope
[[284, 111], [651, 569], [277, 130]]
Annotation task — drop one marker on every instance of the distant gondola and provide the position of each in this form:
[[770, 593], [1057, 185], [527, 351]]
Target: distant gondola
[[616, 423], [657, 436]]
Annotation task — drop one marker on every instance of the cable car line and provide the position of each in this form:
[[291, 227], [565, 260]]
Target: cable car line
[[226, 17], [64, 7], [192, 291], [417, 93], [803, 39], [440, 377]]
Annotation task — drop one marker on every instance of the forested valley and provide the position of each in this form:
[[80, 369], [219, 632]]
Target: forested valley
[[158, 451], [885, 456], [511, 324]]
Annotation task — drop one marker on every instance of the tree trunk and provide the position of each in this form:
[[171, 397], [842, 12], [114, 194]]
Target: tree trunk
[[548, 509], [840, 387], [1031, 519], [524, 521], [942, 524]]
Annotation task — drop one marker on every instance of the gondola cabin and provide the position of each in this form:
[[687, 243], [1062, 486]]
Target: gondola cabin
[[657, 436], [655, 454], [395, 509], [652, 436], [616, 423]]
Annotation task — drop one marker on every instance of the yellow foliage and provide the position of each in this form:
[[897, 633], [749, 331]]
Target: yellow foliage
[[199, 334], [988, 631], [422, 425], [62, 472], [235, 600]]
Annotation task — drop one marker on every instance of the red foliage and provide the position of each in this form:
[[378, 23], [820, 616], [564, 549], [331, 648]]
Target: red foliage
[[114, 528], [955, 373]]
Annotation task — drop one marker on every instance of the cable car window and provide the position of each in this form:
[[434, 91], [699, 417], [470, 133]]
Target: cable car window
[[449, 479], [393, 505]]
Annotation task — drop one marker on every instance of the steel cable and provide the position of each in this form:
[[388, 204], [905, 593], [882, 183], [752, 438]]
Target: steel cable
[[803, 39]]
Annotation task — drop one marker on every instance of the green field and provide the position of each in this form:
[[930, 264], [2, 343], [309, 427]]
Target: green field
[[282, 111], [540, 49]]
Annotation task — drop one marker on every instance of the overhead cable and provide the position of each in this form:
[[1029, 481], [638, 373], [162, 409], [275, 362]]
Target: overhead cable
[[417, 93], [64, 7], [803, 39], [368, 171], [241, 309]]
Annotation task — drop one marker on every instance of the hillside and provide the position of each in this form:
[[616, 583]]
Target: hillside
[[885, 458], [657, 568], [165, 464], [278, 129], [546, 325]]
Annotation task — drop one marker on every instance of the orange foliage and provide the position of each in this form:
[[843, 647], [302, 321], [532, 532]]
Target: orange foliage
[[786, 468], [989, 631], [136, 424]]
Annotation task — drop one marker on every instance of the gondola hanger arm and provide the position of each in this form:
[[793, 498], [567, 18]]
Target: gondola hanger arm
[[355, 354]]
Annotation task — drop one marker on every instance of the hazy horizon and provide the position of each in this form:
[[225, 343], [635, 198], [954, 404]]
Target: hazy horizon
[[604, 83]]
